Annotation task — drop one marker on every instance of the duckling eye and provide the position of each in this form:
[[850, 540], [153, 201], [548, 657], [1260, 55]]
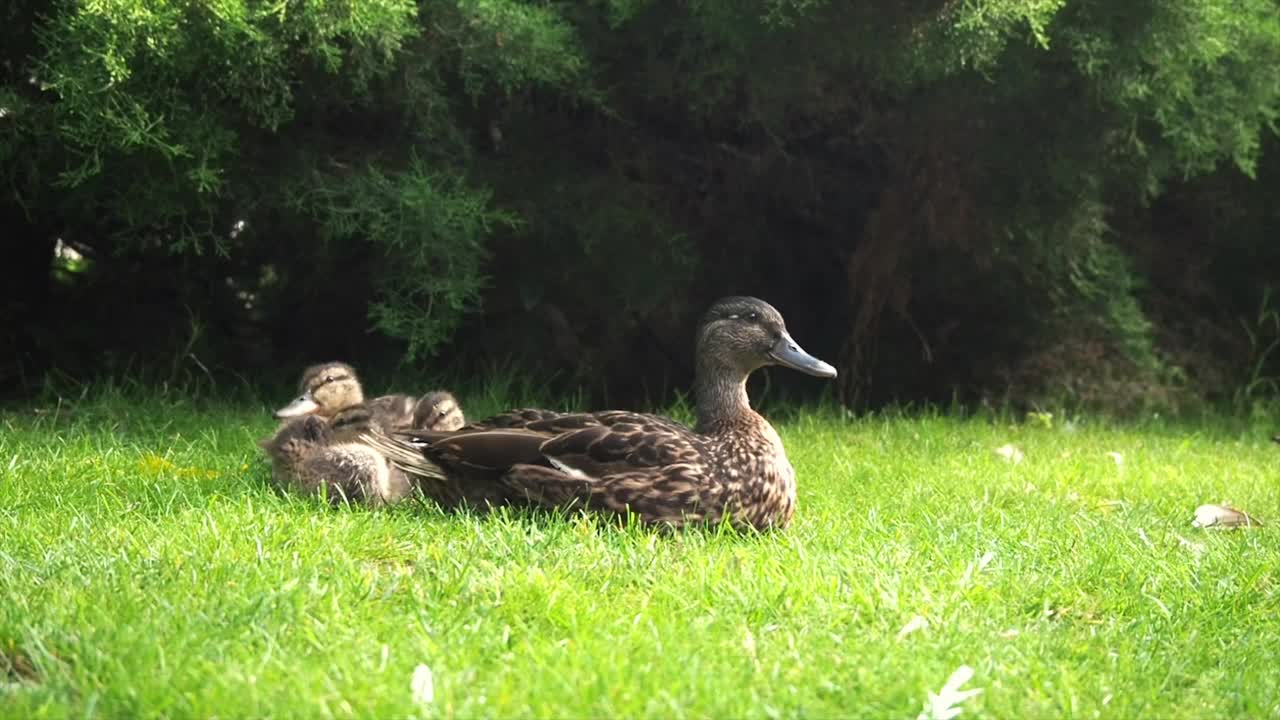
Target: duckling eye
[[753, 316]]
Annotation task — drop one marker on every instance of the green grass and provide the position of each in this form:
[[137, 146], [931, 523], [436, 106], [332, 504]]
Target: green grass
[[147, 570]]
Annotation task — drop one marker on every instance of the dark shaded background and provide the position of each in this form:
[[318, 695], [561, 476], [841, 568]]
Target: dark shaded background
[[942, 205]]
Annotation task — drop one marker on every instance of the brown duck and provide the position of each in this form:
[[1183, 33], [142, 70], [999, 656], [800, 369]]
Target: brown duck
[[731, 465]]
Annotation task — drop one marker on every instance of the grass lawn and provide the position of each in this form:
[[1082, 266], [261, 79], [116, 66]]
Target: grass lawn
[[147, 570]]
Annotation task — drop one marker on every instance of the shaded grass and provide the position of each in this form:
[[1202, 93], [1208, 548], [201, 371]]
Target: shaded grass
[[147, 570]]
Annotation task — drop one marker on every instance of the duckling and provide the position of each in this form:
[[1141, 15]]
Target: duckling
[[439, 411], [730, 465], [310, 456], [319, 445], [329, 388]]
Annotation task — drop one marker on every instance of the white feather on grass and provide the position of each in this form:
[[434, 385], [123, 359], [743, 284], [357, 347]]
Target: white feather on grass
[[945, 704], [423, 685]]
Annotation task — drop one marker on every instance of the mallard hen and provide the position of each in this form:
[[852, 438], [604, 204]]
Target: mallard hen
[[730, 465]]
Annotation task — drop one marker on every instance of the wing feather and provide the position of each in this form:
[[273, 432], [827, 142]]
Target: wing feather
[[626, 444], [521, 418], [494, 450]]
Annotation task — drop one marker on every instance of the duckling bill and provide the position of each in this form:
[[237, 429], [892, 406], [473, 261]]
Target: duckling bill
[[731, 465]]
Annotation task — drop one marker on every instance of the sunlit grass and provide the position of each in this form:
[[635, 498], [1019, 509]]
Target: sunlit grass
[[147, 570]]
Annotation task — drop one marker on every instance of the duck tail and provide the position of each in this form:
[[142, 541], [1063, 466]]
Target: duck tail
[[405, 454]]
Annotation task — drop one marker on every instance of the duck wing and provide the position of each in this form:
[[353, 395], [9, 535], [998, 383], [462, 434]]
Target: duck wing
[[492, 450], [553, 421], [643, 464], [675, 495], [648, 465], [622, 442], [526, 417], [548, 439], [619, 461]]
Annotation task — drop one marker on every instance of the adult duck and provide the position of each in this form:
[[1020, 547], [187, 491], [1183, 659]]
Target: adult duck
[[731, 465]]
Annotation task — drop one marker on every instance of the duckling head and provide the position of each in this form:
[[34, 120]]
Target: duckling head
[[296, 439], [438, 411], [326, 390], [741, 334]]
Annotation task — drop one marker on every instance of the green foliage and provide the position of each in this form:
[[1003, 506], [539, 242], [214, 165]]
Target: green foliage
[[1013, 130], [1027, 140], [1104, 279], [1088, 279], [974, 36], [513, 45], [620, 12], [1263, 331], [1170, 72], [135, 77], [166, 124], [623, 252], [430, 229]]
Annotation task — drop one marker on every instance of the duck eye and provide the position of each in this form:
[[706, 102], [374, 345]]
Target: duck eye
[[753, 316]]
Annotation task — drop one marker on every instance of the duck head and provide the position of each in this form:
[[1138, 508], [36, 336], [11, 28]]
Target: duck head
[[742, 334], [438, 410], [326, 389]]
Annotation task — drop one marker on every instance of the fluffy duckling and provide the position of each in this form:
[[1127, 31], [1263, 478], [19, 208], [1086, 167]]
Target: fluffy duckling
[[310, 456], [438, 411], [330, 388], [319, 444]]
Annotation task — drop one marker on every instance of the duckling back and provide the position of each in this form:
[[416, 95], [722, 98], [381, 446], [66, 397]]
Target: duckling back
[[392, 411], [352, 472], [306, 461]]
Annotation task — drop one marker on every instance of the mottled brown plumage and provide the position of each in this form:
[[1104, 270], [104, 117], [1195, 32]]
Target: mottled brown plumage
[[731, 465], [319, 446], [309, 458]]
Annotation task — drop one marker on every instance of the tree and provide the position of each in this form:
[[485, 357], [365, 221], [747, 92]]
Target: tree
[[979, 187]]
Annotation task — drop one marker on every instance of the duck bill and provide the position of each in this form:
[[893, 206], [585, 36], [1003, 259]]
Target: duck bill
[[302, 406], [788, 353]]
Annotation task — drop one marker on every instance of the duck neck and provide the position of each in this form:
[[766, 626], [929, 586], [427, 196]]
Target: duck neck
[[721, 396]]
